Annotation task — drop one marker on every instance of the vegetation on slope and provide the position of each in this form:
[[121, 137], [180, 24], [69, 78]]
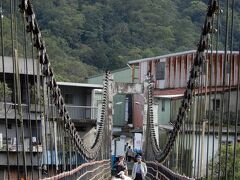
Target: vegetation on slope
[[85, 37]]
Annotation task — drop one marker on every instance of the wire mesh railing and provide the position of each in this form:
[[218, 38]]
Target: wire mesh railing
[[91, 170]]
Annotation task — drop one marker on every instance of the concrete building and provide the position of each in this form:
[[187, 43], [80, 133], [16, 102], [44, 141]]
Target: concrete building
[[16, 114], [170, 75], [83, 101], [127, 112]]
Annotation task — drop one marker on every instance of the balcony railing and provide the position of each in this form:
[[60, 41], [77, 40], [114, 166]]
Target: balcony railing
[[75, 112], [78, 112], [82, 112], [13, 147]]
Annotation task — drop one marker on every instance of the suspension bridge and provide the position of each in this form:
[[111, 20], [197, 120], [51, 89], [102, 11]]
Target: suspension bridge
[[56, 150]]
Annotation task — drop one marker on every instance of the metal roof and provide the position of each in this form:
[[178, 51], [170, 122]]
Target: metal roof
[[161, 57], [172, 54], [170, 96], [167, 93], [97, 86], [114, 71]]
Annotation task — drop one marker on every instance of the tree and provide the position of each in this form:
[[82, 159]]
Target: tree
[[105, 34], [229, 164]]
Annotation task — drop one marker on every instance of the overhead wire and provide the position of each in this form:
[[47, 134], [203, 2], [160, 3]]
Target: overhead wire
[[208, 113], [215, 92], [14, 91], [230, 71], [225, 60], [4, 93], [36, 100], [27, 96], [232, 59]]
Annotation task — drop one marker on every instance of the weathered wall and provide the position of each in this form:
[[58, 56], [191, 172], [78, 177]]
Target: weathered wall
[[177, 69], [163, 112]]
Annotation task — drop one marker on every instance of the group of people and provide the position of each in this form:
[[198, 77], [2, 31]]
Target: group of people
[[139, 170]]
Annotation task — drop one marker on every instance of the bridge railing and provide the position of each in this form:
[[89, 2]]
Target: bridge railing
[[159, 171], [91, 171]]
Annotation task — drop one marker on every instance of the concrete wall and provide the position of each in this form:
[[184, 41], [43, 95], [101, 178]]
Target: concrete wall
[[12, 131], [80, 95], [8, 63], [172, 106], [13, 159], [119, 110], [177, 68], [163, 114]]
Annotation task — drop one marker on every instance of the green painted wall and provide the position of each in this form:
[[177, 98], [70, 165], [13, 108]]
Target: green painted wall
[[175, 104], [164, 110], [120, 75], [95, 80], [97, 99], [119, 110]]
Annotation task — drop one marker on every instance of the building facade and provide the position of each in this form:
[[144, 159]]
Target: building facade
[[25, 104], [127, 112], [170, 74]]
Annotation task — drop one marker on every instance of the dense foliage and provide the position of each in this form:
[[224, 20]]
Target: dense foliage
[[88, 36], [226, 168]]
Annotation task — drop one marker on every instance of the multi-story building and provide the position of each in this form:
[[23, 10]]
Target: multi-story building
[[170, 75], [83, 102], [15, 114]]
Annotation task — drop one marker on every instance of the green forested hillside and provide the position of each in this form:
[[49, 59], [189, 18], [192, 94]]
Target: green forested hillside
[[85, 37]]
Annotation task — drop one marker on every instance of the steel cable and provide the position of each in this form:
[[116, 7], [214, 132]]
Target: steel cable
[[88, 153], [186, 102]]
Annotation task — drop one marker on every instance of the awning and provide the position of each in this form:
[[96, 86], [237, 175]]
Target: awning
[[179, 92]]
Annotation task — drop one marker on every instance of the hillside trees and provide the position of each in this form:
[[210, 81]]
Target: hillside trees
[[105, 34]]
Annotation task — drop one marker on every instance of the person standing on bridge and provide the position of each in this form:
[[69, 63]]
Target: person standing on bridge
[[139, 170], [130, 154], [121, 165]]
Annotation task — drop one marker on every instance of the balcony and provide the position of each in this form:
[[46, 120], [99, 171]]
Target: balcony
[[12, 147], [11, 108], [82, 113]]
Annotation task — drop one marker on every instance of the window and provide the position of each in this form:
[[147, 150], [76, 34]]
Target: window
[[160, 71], [216, 104], [68, 98], [9, 126], [163, 104]]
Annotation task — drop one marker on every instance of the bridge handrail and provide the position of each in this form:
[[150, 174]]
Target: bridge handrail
[[164, 171], [74, 171], [162, 154]]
